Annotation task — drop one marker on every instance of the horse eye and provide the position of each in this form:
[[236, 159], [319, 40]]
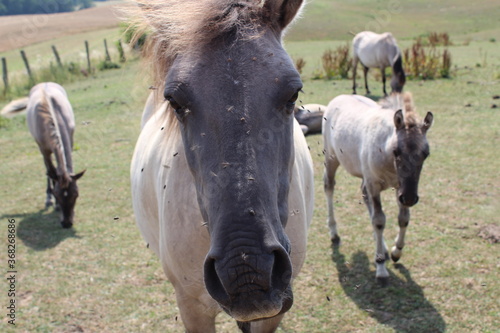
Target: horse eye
[[173, 103], [294, 98]]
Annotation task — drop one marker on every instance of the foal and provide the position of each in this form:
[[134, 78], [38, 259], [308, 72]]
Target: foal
[[51, 123], [384, 145]]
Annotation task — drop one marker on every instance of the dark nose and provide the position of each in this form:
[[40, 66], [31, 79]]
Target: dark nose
[[242, 283], [408, 200]]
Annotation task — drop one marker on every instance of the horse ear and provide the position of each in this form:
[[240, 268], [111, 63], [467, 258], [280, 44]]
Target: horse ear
[[429, 118], [78, 175], [399, 121], [286, 10]]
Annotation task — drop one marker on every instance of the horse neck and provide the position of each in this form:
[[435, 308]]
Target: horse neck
[[60, 140]]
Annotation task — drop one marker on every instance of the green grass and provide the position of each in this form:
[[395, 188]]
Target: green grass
[[100, 277], [333, 19]]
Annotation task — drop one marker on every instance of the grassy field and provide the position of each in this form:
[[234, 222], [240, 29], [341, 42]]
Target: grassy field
[[100, 277]]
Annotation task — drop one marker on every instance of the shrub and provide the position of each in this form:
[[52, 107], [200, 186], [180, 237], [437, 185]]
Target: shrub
[[426, 63], [299, 64], [107, 64], [337, 64]]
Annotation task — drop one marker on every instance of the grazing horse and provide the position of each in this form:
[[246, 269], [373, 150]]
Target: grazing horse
[[221, 176], [378, 51], [384, 147], [310, 117], [51, 123]]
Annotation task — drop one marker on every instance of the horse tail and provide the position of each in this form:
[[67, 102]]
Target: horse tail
[[14, 107]]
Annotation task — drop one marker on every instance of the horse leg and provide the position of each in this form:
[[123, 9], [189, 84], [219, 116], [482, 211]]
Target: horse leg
[[383, 79], [264, 326], [403, 221], [331, 165], [378, 223], [196, 316], [365, 72], [51, 172], [48, 198], [354, 70]]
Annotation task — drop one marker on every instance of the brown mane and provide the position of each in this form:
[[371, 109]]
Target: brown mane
[[403, 101]]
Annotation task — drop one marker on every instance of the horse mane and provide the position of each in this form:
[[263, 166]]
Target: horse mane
[[403, 101], [175, 26], [46, 110]]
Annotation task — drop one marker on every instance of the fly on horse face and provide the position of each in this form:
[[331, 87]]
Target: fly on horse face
[[51, 123], [222, 179], [386, 146], [378, 51]]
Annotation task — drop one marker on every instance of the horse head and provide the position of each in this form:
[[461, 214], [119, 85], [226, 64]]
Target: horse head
[[234, 98], [410, 151], [398, 79], [65, 192]]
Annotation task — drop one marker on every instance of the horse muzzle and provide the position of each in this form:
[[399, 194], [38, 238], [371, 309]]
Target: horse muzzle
[[250, 286], [408, 200]]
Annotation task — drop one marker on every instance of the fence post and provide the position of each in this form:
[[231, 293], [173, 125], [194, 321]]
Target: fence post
[[121, 51], [26, 63], [5, 76], [108, 58], [56, 54], [88, 56]]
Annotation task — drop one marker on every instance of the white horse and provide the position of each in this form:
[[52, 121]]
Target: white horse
[[386, 146], [222, 179], [378, 51]]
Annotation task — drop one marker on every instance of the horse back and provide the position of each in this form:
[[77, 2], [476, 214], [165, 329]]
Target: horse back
[[49, 109], [375, 50], [356, 131]]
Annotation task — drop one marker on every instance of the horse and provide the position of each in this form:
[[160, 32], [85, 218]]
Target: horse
[[383, 144], [310, 117], [221, 176], [378, 51], [51, 122]]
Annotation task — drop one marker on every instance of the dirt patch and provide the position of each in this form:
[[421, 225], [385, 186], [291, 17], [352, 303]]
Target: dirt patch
[[490, 232], [17, 31]]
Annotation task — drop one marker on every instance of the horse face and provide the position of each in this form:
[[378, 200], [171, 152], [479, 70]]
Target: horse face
[[66, 192], [398, 81], [410, 152], [235, 102]]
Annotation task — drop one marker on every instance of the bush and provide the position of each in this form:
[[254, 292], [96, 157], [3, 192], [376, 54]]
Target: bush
[[336, 64], [426, 63], [299, 64], [107, 64]]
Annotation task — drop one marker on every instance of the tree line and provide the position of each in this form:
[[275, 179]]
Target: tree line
[[17, 7]]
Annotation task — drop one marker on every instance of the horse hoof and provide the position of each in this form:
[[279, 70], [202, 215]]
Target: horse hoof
[[66, 225], [396, 254], [335, 240], [383, 281]]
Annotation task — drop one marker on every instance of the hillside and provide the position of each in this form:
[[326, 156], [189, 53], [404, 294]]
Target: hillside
[[21, 30], [334, 19]]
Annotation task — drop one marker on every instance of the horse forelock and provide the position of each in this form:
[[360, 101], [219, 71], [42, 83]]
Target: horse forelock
[[179, 26]]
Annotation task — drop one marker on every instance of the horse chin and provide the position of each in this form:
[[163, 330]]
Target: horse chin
[[274, 305]]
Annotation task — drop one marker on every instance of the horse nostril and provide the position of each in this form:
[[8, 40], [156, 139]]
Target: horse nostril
[[213, 283], [401, 199], [282, 270]]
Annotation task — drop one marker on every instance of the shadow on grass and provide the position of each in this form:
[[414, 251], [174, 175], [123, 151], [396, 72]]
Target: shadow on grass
[[40, 230], [401, 305]]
